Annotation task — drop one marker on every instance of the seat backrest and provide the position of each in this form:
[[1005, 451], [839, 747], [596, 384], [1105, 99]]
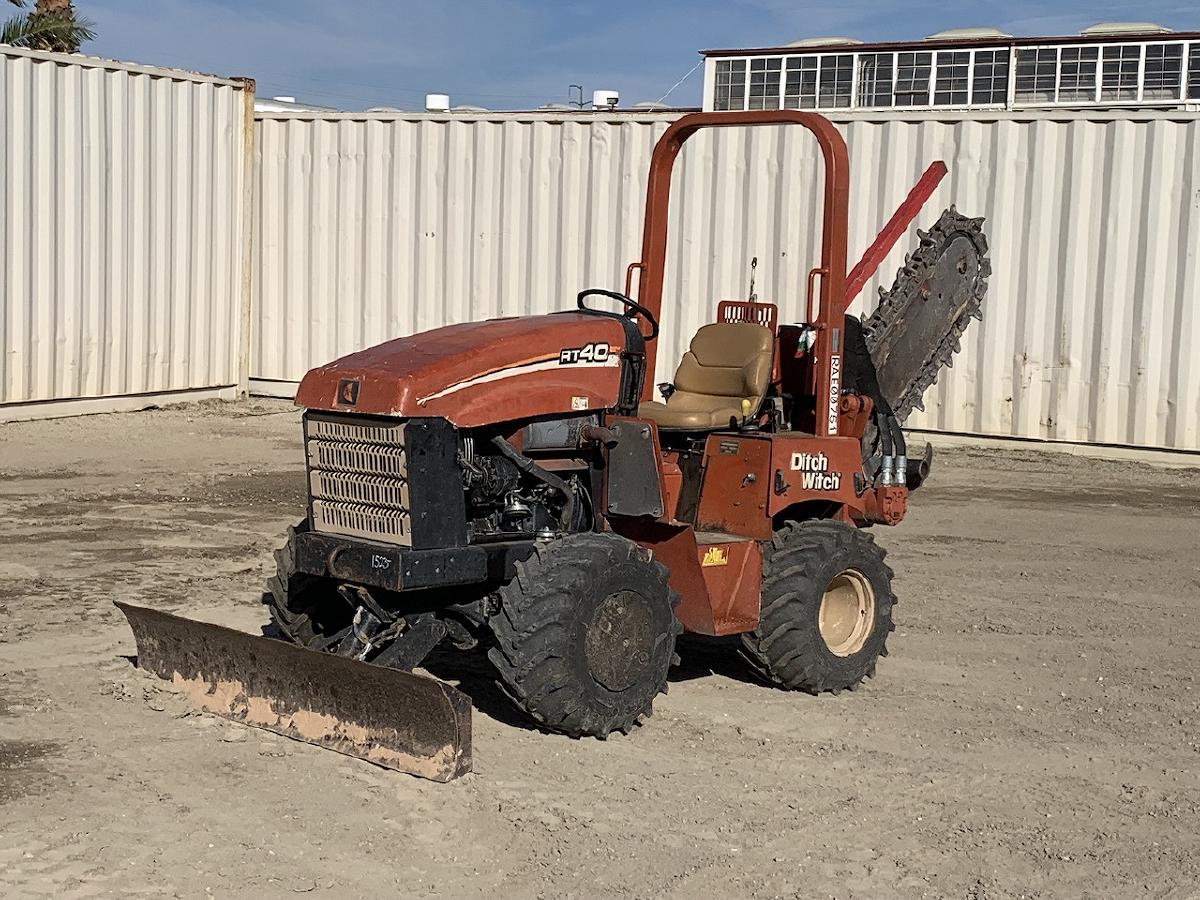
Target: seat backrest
[[728, 359]]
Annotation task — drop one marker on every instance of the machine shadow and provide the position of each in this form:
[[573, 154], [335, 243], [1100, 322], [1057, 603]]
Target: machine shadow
[[699, 657], [472, 674]]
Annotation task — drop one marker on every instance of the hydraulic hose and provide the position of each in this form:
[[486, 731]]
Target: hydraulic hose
[[883, 419], [527, 465], [901, 447]]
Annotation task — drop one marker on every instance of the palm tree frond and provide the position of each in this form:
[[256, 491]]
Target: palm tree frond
[[47, 32], [16, 31]]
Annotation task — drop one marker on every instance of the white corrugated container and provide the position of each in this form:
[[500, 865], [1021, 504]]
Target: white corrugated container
[[375, 226], [121, 234]]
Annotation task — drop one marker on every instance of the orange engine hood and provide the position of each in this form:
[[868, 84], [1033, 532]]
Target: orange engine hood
[[479, 373]]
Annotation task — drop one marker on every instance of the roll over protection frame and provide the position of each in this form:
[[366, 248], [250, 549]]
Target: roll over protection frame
[[836, 290]]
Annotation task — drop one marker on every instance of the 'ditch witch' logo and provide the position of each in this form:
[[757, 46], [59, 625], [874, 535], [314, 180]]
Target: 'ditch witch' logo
[[347, 394], [816, 475]]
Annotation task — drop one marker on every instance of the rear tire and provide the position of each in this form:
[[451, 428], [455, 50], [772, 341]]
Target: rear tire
[[826, 608], [305, 609], [585, 634]]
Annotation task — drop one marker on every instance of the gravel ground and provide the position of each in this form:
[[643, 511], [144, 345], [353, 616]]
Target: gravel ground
[[1034, 732]]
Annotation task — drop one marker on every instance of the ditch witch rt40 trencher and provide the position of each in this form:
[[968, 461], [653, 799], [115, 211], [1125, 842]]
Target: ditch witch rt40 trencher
[[513, 485]]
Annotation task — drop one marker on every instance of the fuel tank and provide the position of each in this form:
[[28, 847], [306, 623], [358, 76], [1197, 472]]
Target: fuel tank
[[479, 373]]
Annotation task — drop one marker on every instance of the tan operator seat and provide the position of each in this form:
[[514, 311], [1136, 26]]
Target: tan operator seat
[[728, 362]]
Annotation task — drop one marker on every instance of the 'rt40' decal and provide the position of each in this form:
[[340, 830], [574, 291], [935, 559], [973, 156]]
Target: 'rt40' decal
[[588, 353]]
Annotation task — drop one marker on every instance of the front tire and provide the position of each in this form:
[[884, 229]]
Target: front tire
[[305, 609], [826, 608], [585, 634]]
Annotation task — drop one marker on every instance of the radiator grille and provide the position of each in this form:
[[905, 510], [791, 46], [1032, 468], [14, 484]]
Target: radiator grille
[[374, 490], [390, 434], [358, 477], [363, 459], [360, 520]]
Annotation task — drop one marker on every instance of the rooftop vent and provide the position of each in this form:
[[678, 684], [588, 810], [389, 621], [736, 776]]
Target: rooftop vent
[[605, 99], [824, 42], [437, 102], [1104, 28], [968, 34]]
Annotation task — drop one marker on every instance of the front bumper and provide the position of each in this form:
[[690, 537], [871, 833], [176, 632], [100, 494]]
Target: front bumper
[[395, 568]]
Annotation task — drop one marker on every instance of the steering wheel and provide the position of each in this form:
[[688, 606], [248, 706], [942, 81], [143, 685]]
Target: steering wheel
[[635, 308]]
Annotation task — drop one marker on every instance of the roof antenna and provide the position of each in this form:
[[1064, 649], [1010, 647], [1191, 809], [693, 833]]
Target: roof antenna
[[753, 266], [578, 104]]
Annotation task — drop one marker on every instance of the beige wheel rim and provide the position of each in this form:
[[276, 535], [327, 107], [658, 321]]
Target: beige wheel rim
[[847, 614]]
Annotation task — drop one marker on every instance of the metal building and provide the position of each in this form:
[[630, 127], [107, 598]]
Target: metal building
[[1111, 65]]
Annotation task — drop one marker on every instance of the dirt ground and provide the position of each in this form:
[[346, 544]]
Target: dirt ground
[[1034, 733]]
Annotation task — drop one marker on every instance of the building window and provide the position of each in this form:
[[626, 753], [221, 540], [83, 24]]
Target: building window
[[875, 79], [912, 78], [1163, 71], [731, 84], [1193, 90], [1037, 70], [952, 82], [764, 83], [1120, 78], [800, 83], [990, 83], [1077, 74], [837, 81]]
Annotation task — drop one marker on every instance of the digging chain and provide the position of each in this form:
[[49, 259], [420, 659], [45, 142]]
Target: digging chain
[[928, 265]]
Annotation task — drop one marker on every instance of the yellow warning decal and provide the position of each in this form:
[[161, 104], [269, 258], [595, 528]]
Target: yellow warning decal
[[715, 556]]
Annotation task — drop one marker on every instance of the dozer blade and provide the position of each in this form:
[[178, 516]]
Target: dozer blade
[[392, 718]]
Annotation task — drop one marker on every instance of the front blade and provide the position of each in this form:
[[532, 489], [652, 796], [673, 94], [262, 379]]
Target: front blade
[[395, 719]]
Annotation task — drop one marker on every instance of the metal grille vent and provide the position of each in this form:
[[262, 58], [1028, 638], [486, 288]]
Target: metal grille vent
[[358, 477], [373, 490], [359, 520], [390, 434], [365, 459], [764, 314]]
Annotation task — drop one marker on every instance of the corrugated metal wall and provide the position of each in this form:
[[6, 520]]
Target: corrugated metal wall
[[121, 230], [122, 242], [372, 227]]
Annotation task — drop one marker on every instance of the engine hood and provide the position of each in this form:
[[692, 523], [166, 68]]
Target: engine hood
[[479, 373]]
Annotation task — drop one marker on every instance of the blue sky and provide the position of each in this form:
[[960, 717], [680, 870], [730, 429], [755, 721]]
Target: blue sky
[[510, 54]]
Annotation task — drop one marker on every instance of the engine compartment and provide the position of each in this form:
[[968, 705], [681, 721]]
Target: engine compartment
[[537, 491], [423, 484]]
